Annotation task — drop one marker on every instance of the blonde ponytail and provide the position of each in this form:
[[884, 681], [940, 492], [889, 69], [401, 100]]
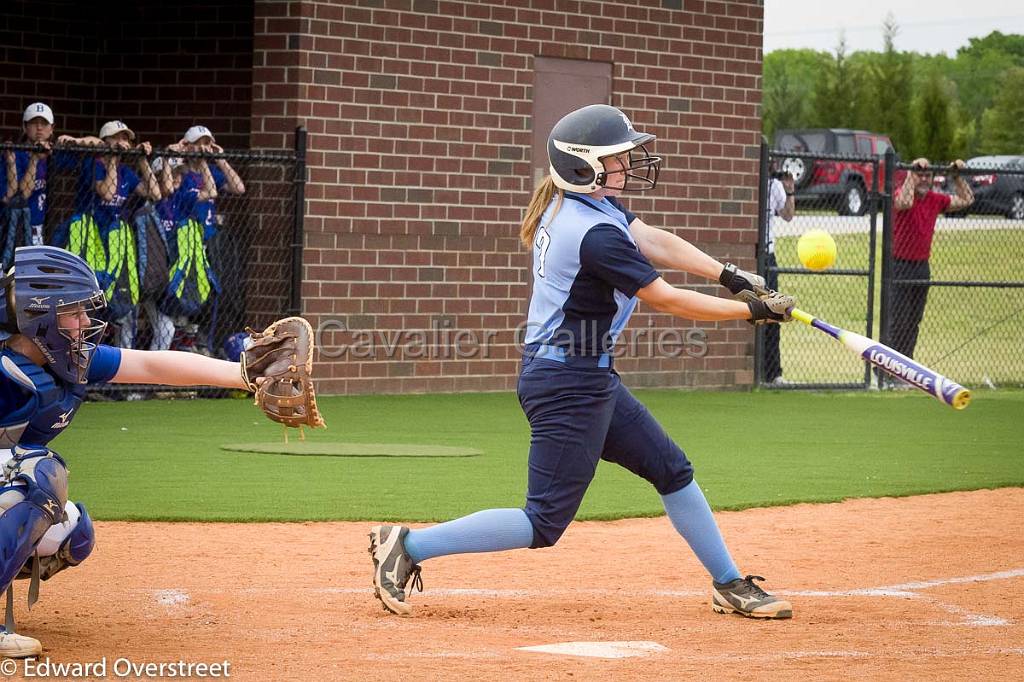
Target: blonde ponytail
[[538, 204]]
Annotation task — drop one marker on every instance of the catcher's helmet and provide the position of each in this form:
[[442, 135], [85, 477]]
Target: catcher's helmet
[[46, 282], [235, 344], [583, 137]]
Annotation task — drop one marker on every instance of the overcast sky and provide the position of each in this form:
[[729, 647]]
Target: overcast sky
[[927, 26]]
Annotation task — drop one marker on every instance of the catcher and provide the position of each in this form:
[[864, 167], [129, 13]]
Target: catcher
[[50, 303]]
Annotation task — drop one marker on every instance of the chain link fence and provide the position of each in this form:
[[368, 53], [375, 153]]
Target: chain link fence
[[967, 305], [960, 311], [188, 246]]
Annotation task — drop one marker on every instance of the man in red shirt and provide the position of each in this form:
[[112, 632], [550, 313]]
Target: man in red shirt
[[916, 209]]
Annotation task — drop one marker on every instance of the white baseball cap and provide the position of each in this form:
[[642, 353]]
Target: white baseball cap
[[113, 128], [38, 110], [195, 133]]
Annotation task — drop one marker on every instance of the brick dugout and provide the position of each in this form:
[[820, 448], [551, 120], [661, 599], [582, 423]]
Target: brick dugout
[[421, 116]]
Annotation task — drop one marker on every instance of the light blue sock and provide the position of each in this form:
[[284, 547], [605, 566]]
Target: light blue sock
[[491, 530], [691, 516]]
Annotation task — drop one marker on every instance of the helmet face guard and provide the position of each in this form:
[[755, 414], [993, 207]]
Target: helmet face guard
[[639, 160], [582, 139], [79, 339]]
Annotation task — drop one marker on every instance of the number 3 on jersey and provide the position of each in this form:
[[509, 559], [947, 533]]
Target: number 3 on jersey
[[543, 242]]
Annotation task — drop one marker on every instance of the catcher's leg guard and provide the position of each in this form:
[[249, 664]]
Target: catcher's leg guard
[[76, 546], [22, 525]]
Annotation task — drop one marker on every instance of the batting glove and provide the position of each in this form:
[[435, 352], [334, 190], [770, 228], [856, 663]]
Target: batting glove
[[738, 281], [772, 308]]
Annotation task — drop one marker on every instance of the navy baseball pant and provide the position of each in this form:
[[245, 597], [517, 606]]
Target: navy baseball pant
[[578, 416]]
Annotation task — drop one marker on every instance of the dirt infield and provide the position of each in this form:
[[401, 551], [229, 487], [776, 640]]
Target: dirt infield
[[915, 588]]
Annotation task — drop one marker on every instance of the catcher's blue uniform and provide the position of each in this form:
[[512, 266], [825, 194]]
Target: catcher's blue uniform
[[35, 407], [586, 272]]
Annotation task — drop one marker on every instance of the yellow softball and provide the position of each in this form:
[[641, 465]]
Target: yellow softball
[[816, 249]]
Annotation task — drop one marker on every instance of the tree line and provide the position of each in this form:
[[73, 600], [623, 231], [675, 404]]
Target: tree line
[[930, 105]]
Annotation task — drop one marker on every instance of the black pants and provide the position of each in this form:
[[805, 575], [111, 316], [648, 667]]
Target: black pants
[[907, 301], [772, 362]]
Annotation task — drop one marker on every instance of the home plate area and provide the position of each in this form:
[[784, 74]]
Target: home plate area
[[923, 587], [597, 649]]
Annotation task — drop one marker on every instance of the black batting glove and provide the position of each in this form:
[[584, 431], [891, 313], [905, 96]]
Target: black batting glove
[[738, 281], [771, 308]]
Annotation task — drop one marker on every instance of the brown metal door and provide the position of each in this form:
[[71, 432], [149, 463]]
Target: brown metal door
[[560, 86]]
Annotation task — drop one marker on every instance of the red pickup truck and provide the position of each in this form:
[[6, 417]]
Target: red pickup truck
[[833, 183]]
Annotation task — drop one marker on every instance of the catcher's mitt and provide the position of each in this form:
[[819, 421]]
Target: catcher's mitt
[[282, 356]]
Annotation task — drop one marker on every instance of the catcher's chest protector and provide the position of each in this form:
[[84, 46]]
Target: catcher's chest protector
[[34, 407]]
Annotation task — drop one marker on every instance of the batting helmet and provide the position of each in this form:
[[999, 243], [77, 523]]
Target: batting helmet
[[583, 137], [47, 282]]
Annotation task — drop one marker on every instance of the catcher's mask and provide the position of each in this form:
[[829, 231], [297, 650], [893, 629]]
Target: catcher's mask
[[51, 296]]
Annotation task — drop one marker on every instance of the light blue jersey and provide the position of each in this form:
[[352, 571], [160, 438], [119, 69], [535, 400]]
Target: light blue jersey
[[586, 272]]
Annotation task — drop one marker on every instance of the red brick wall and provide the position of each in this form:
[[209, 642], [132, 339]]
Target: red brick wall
[[170, 65], [419, 114], [160, 66], [48, 52], [419, 117]]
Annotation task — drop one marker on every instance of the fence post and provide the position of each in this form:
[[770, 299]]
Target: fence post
[[887, 198], [762, 249], [876, 204], [299, 182]]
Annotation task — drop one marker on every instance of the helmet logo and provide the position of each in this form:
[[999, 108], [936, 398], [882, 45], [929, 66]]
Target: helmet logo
[[629, 126], [579, 150]]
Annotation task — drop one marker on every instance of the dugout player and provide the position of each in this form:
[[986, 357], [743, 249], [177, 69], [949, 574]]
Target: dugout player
[[37, 124], [591, 262], [50, 304], [34, 167], [203, 183]]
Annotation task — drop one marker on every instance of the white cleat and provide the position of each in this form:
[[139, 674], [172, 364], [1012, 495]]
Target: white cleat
[[13, 645]]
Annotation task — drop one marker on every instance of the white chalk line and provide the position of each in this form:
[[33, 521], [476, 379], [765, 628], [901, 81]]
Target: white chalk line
[[172, 598], [1000, 575], [766, 657], [908, 590], [900, 590]]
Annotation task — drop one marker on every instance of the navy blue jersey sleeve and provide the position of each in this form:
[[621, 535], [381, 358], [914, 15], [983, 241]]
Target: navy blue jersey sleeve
[[106, 360], [630, 216], [607, 253]]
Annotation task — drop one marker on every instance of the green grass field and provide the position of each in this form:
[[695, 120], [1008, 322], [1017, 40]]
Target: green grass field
[[160, 460], [974, 336]]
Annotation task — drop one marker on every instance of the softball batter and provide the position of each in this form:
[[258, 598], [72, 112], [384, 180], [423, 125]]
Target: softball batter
[[591, 262]]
